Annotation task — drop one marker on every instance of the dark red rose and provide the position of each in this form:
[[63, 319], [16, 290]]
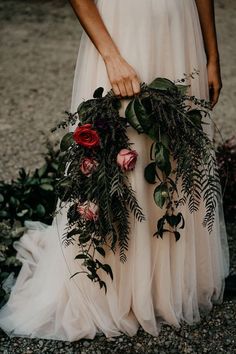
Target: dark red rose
[[85, 136]]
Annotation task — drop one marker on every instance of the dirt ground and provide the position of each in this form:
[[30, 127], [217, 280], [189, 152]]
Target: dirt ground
[[39, 42]]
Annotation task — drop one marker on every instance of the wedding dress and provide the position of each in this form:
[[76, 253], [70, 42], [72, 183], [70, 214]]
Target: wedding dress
[[163, 281]]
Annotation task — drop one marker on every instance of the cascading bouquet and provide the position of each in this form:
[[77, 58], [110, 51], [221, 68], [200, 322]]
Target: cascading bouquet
[[97, 159]]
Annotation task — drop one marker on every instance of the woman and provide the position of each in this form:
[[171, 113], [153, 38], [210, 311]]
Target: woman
[[126, 42]]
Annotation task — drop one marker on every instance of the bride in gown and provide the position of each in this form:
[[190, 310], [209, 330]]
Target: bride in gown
[[126, 42]]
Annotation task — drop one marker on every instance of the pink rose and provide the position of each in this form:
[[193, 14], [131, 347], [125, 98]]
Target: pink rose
[[88, 165], [88, 210], [126, 159]]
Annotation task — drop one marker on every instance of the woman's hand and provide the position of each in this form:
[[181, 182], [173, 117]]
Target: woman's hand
[[214, 81], [122, 76]]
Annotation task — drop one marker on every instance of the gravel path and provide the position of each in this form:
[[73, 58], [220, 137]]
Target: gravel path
[[39, 43]]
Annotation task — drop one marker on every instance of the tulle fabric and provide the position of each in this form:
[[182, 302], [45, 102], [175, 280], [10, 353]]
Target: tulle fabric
[[162, 281]]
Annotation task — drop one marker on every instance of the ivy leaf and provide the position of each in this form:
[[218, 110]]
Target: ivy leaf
[[101, 251], [160, 227], [98, 92], [183, 222], [162, 84], [160, 195], [108, 270], [150, 172], [81, 256], [172, 220], [162, 156], [142, 114], [84, 107], [132, 117], [103, 284], [177, 235], [67, 141]]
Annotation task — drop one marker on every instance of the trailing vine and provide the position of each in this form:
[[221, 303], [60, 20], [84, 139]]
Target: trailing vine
[[97, 159]]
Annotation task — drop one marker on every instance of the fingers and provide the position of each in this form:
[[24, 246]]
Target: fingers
[[136, 86], [116, 89], [126, 87], [214, 90]]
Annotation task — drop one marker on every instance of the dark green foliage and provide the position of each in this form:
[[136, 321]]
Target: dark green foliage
[[163, 112], [182, 164], [9, 265], [108, 187], [31, 196]]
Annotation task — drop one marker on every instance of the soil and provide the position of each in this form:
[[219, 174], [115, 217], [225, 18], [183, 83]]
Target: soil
[[39, 44]]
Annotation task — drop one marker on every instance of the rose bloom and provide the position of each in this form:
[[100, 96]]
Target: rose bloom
[[126, 159], [88, 210], [85, 136], [88, 165]]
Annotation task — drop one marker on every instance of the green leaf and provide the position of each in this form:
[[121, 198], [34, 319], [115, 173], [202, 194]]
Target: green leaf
[[116, 103], [162, 84], [107, 269], [160, 195], [14, 202], [1, 198], [22, 213], [3, 214], [183, 89], [98, 92], [175, 220], [160, 227], [101, 251], [153, 132], [67, 141], [40, 210], [162, 156], [177, 235], [103, 284], [41, 171], [142, 115], [81, 256], [47, 180], [196, 117], [150, 173], [84, 239], [132, 117], [47, 187], [84, 107], [165, 140]]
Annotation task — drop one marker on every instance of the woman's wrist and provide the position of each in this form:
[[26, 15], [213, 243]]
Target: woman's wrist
[[213, 59], [110, 55]]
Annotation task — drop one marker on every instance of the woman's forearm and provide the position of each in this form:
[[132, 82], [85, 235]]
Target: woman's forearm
[[123, 78], [91, 21], [207, 19]]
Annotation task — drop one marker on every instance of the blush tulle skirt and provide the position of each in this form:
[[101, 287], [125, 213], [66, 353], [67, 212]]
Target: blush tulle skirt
[[163, 281]]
